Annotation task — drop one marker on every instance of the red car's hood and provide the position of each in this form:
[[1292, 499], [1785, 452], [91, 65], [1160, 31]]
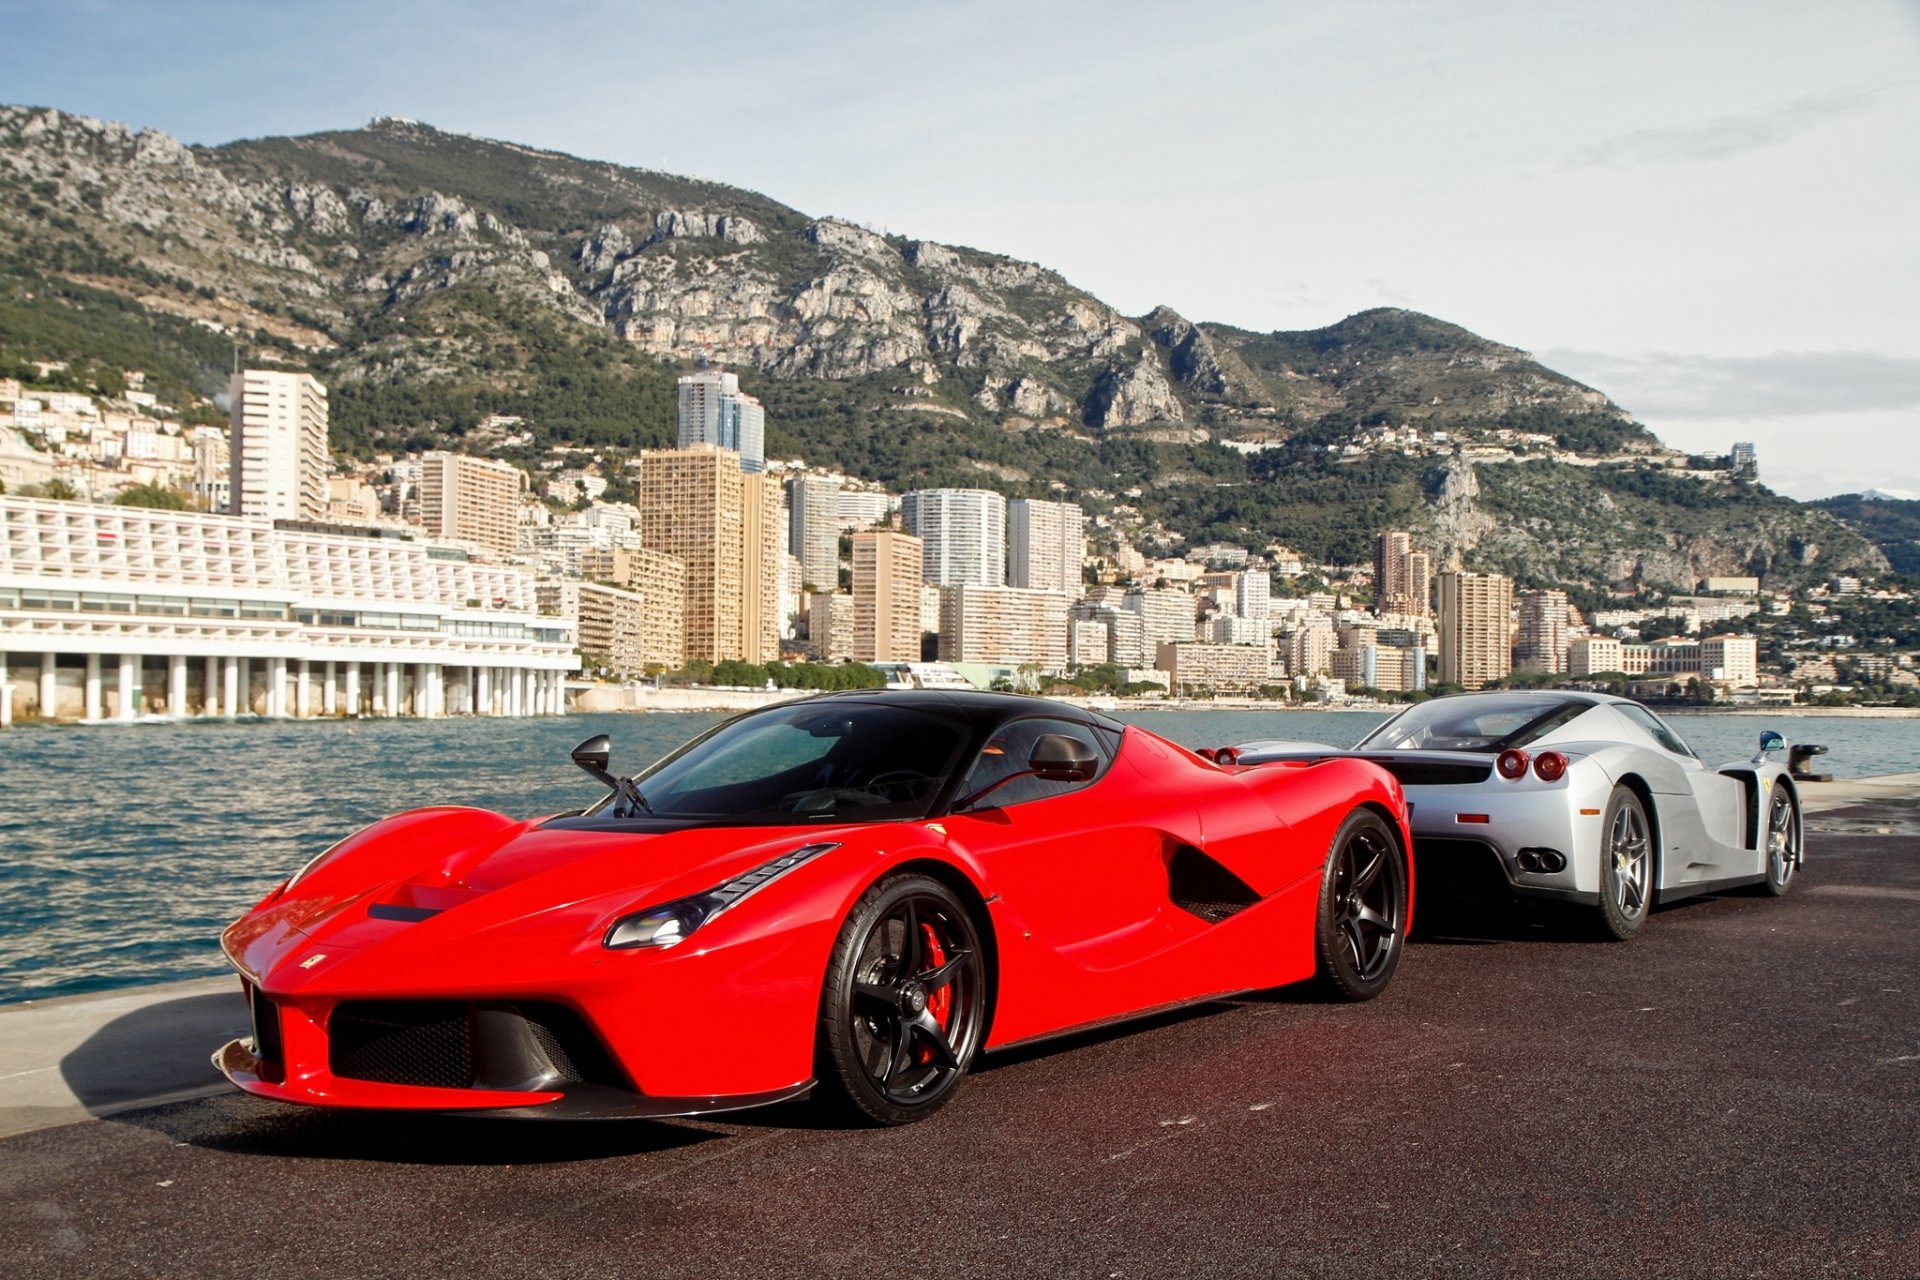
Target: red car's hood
[[429, 885]]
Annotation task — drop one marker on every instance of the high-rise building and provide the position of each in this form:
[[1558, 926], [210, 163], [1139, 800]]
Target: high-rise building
[[1253, 594], [1046, 545], [466, 499], [1122, 632], [830, 627], [1402, 577], [886, 596], [723, 525], [1004, 625], [279, 460], [607, 622], [963, 535], [813, 534], [1476, 628], [713, 410], [1166, 615], [763, 539], [1223, 668], [1540, 641], [660, 580]]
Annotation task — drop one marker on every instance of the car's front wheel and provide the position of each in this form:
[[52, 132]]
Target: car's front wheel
[[1626, 865], [1362, 922], [904, 1003], [1783, 838]]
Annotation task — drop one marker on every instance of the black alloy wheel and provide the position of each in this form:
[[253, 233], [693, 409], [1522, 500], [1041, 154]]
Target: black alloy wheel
[[1783, 837], [904, 1003], [1362, 922]]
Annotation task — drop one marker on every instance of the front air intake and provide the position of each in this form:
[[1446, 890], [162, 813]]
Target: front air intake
[[449, 1044]]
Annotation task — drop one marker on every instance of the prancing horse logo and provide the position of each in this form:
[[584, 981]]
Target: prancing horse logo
[[313, 960]]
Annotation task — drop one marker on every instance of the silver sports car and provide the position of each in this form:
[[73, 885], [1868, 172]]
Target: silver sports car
[[1577, 797]]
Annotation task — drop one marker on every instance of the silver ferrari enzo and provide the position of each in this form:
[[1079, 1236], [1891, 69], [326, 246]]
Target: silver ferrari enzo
[[1577, 797]]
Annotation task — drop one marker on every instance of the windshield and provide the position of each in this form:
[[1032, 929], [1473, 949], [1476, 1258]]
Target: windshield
[[809, 761], [1489, 722]]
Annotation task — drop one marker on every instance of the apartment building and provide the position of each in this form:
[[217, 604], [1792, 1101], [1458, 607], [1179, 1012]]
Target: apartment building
[[963, 535], [886, 596], [471, 500], [279, 462], [1540, 639], [1476, 628], [714, 411], [1003, 625], [724, 526], [1046, 545]]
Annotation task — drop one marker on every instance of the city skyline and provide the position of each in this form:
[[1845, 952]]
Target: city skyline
[[695, 570], [1693, 210]]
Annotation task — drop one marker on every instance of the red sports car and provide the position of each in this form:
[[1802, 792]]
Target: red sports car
[[856, 891]]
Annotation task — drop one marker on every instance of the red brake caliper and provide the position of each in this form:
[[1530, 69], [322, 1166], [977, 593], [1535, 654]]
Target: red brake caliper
[[939, 1003]]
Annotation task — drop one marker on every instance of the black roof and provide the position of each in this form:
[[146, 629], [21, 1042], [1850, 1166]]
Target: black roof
[[977, 706]]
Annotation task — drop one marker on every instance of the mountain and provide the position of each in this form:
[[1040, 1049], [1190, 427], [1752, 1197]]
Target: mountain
[[433, 279], [1892, 524]]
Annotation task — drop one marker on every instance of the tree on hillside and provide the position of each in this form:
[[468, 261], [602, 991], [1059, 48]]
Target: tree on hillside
[[155, 496]]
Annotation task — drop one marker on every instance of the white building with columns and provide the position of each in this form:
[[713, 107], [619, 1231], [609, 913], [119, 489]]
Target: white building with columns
[[110, 612]]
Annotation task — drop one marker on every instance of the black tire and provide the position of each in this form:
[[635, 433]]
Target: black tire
[[1784, 846], [1361, 925], [904, 1004], [1627, 866]]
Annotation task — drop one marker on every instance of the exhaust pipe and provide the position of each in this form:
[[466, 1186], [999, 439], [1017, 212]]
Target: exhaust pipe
[[1546, 861]]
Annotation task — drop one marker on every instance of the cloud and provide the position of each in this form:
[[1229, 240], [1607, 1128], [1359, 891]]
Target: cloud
[[1784, 384], [1721, 137], [1388, 292]]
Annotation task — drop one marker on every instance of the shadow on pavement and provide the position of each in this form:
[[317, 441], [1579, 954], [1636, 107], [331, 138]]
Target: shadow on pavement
[[246, 1126], [156, 1052]]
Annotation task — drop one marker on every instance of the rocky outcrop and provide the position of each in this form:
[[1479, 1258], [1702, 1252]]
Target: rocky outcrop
[[1132, 395], [1457, 527], [1190, 352]]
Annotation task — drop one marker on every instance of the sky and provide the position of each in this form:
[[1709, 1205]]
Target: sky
[[1710, 211]]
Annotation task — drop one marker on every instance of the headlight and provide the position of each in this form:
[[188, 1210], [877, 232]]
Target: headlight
[[664, 925]]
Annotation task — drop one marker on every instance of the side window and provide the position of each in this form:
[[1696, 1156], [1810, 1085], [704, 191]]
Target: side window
[[1007, 753], [1654, 725]]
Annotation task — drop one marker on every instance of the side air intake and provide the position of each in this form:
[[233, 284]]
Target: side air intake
[[1202, 887]]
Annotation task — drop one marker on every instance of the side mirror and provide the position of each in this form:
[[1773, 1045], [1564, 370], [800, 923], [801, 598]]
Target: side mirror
[[595, 754], [1770, 741], [1059, 758]]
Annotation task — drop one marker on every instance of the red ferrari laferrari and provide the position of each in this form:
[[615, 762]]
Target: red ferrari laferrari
[[858, 892]]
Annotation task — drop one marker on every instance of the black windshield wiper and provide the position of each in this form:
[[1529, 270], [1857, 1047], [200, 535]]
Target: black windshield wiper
[[631, 790]]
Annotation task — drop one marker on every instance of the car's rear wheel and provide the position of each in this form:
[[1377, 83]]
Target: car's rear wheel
[[1783, 838], [904, 1003], [1362, 921], [1626, 865]]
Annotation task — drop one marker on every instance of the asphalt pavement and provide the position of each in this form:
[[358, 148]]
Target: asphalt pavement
[[1734, 1093]]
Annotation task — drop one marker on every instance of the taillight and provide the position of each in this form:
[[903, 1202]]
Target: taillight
[[1550, 765], [1512, 764]]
